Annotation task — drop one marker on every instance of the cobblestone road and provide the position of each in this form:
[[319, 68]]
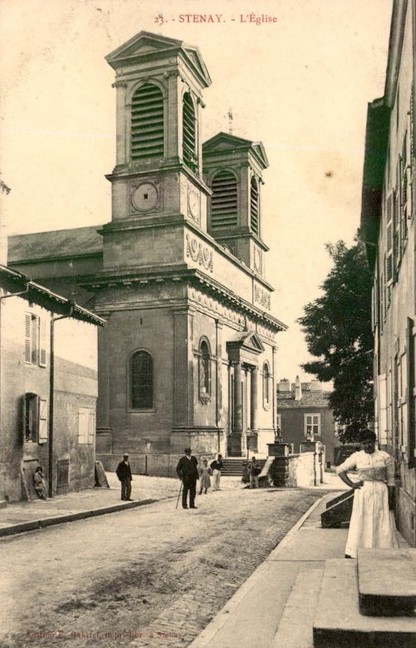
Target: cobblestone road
[[152, 576]]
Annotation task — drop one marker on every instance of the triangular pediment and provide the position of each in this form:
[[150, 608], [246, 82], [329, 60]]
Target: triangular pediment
[[145, 46], [253, 343], [223, 142], [247, 341]]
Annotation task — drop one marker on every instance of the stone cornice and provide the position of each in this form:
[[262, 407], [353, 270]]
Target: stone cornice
[[181, 274]]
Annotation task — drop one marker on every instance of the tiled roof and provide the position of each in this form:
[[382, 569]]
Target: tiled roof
[[59, 243], [286, 400], [16, 284]]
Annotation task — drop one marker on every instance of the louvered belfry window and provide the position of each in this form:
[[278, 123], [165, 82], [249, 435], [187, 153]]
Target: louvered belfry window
[[189, 133], [254, 206], [224, 200], [147, 124]]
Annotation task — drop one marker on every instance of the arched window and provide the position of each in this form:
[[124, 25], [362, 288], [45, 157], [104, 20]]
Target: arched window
[[141, 380], [189, 151], [224, 200], [266, 385], [147, 124], [254, 206], [204, 371]]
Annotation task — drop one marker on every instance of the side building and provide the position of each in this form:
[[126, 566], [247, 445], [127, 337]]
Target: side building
[[48, 389], [188, 356], [303, 414], [388, 229]]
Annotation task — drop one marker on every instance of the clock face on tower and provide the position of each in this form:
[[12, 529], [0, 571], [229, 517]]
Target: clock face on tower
[[145, 196]]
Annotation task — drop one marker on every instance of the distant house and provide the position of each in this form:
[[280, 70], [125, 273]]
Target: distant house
[[48, 388], [303, 414]]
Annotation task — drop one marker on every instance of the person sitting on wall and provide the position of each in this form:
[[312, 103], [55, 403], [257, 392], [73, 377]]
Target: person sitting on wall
[[255, 471], [39, 483]]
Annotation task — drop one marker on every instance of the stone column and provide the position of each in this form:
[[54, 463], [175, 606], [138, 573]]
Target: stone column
[[235, 437], [104, 441], [123, 119], [4, 191], [183, 393], [254, 398], [273, 390], [218, 373], [173, 124]]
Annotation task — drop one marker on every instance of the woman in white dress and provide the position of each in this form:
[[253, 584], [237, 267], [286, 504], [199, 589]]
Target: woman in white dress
[[371, 524]]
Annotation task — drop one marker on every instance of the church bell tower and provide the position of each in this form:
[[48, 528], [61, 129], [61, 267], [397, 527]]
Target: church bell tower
[[157, 180]]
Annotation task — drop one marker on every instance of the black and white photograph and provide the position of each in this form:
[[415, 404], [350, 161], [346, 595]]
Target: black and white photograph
[[207, 323]]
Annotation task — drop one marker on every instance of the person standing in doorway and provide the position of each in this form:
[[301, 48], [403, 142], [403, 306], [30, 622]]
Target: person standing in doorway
[[123, 472], [187, 470], [216, 467]]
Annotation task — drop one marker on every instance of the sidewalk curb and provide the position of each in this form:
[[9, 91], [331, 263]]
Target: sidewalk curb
[[33, 525], [207, 635]]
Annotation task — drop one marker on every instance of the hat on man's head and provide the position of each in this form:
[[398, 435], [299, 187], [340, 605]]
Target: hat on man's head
[[187, 450]]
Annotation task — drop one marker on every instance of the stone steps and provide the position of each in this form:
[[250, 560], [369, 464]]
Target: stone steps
[[295, 626], [387, 581], [338, 621], [233, 466], [323, 609]]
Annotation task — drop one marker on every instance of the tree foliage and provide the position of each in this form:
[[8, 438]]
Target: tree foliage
[[337, 327]]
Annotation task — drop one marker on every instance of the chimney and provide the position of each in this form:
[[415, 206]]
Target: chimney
[[4, 191], [316, 385], [284, 385], [298, 389]]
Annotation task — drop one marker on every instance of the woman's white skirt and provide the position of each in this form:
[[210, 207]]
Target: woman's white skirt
[[371, 525]]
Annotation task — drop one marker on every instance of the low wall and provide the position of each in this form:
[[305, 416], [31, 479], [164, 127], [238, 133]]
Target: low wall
[[304, 470]]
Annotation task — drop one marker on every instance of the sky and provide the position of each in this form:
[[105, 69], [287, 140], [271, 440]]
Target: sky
[[299, 82]]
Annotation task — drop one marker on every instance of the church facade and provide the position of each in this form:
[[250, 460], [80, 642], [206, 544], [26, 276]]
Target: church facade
[[188, 353]]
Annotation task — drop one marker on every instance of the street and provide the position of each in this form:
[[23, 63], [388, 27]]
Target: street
[[154, 575]]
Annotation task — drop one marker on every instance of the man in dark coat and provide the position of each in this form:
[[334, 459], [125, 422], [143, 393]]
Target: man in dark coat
[[188, 472], [123, 472]]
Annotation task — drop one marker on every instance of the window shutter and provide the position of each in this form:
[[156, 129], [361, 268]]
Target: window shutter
[[224, 200], [189, 132], [28, 337], [43, 342], [254, 206], [389, 238], [82, 425], [43, 420], [91, 427], [147, 123]]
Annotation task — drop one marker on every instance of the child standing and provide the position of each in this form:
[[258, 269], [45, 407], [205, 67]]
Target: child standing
[[204, 478]]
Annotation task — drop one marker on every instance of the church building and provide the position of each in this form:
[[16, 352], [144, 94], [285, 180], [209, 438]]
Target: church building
[[188, 353]]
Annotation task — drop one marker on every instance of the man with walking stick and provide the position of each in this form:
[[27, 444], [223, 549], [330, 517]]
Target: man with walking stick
[[188, 473]]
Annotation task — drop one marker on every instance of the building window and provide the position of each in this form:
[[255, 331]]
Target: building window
[[35, 418], [147, 123], [86, 425], [35, 340], [224, 200], [141, 376], [312, 423], [254, 207], [189, 151], [204, 371], [266, 385]]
